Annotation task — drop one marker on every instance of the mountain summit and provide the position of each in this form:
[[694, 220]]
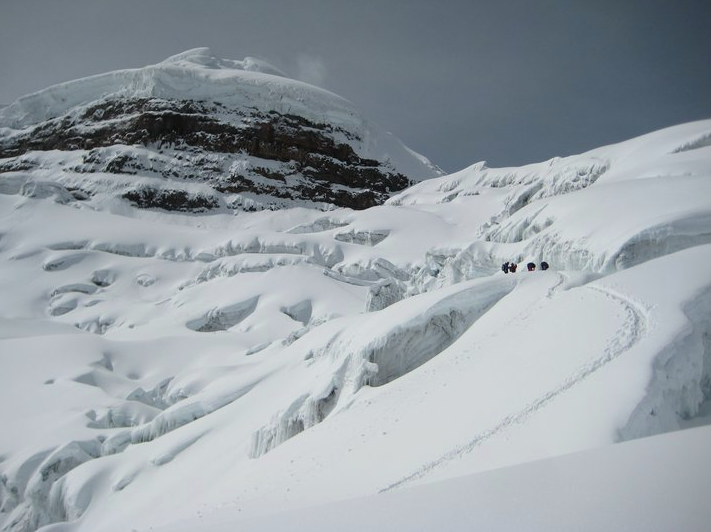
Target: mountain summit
[[200, 133]]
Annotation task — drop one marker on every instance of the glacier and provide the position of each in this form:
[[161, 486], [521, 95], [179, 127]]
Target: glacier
[[161, 367]]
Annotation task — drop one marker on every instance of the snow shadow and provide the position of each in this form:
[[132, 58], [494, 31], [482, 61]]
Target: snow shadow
[[221, 319]]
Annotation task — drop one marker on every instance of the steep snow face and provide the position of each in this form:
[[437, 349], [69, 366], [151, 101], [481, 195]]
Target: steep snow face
[[271, 357], [257, 138]]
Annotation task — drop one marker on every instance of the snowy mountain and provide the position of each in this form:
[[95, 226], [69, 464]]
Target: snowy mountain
[[206, 371], [198, 133]]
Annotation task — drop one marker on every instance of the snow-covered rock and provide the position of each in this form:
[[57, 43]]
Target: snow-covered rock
[[255, 137]]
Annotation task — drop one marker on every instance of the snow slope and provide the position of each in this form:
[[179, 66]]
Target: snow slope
[[270, 361], [654, 484]]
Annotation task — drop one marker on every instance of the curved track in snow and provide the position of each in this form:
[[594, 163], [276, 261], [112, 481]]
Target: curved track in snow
[[559, 286], [631, 331]]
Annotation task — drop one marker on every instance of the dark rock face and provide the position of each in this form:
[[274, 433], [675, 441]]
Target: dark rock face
[[170, 200], [284, 157]]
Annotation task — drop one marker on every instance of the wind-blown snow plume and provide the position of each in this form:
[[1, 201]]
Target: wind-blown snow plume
[[310, 69]]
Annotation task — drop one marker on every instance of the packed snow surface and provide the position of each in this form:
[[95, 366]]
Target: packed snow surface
[[158, 369], [607, 488]]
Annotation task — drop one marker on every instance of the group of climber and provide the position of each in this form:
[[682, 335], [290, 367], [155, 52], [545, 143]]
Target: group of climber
[[510, 267]]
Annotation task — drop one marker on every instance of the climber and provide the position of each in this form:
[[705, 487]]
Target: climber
[[505, 267], [544, 265], [531, 267], [512, 267]]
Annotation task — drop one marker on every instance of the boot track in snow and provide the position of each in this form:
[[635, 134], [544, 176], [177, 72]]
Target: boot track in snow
[[632, 330]]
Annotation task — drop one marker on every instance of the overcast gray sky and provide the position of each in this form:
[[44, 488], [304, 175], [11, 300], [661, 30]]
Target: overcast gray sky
[[508, 81]]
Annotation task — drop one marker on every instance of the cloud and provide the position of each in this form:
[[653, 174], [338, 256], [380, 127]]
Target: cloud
[[310, 69]]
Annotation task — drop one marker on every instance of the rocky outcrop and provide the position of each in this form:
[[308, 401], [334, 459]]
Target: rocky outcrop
[[286, 157]]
